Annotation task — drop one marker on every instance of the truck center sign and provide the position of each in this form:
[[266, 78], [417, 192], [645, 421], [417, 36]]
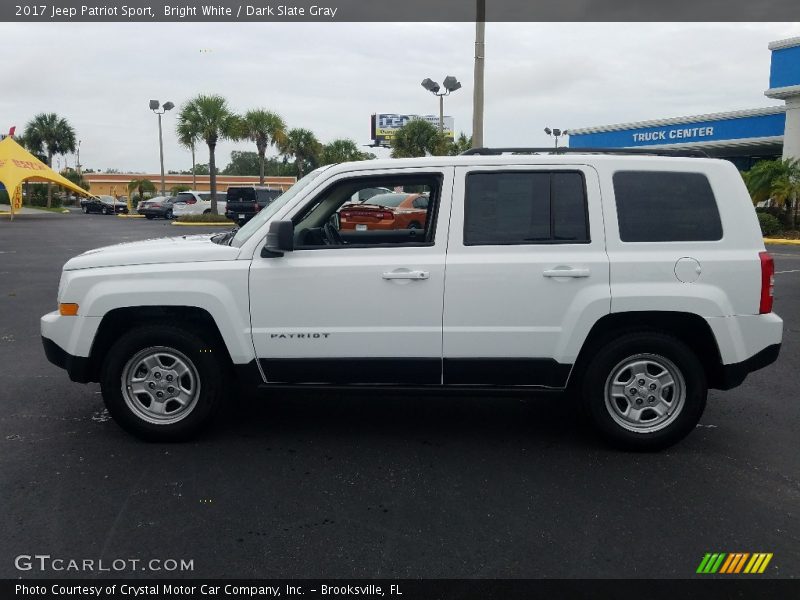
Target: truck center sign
[[383, 126]]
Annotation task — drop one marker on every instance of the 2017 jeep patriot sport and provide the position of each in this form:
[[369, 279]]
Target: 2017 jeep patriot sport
[[635, 282]]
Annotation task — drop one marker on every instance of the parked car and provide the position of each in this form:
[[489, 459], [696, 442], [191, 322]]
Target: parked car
[[160, 206], [386, 211], [630, 283], [106, 205], [196, 203], [244, 202]]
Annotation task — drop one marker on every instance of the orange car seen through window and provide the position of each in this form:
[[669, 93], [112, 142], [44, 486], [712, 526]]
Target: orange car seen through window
[[397, 210]]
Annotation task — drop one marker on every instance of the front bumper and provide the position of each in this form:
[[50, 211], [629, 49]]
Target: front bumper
[[153, 212], [77, 367]]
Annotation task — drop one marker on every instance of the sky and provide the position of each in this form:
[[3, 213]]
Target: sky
[[330, 77]]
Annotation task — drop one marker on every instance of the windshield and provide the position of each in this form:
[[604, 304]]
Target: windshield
[[265, 214]]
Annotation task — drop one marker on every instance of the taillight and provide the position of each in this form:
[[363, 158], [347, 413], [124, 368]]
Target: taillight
[[767, 282]]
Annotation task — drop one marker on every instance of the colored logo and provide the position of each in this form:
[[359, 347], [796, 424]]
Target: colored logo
[[734, 563]]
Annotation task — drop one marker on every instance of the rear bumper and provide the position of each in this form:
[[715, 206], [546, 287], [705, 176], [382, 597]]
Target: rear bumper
[[733, 375], [77, 367]]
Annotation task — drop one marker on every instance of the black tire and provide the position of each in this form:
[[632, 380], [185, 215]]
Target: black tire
[[678, 421], [207, 212], [105, 211], [203, 357], [149, 217], [85, 210], [168, 214]]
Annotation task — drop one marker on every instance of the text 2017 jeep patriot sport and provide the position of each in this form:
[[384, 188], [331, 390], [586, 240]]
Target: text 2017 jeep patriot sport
[[634, 282]]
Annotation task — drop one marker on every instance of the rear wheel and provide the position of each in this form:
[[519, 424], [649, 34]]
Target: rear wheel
[[85, 210], [106, 211], [207, 212], [162, 383], [168, 214], [645, 391], [148, 217]]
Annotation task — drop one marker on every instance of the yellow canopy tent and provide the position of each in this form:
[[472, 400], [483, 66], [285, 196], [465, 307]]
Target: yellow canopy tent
[[18, 165]]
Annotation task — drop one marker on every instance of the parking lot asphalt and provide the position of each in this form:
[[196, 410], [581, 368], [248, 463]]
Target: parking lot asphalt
[[378, 485]]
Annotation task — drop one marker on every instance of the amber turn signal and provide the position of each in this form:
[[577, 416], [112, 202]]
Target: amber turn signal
[[68, 309]]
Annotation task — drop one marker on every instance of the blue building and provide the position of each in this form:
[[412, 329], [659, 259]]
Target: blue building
[[742, 136]]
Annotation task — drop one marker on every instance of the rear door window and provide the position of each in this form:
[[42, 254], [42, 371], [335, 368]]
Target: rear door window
[[523, 207], [664, 206]]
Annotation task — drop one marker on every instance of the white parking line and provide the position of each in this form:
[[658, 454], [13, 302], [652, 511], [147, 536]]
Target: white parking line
[[792, 271]]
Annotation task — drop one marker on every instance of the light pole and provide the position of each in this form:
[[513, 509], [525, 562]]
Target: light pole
[[477, 90], [451, 84], [556, 133], [78, 160], [154, 106]]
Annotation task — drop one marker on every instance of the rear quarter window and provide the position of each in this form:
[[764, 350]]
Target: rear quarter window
[[665, 206]]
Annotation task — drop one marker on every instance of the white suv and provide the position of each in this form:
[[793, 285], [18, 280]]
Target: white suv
[[197, 203], [634, 282]]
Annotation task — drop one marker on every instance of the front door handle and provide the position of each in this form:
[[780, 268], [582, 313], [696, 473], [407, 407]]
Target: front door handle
[[406, 275], [566, 272]]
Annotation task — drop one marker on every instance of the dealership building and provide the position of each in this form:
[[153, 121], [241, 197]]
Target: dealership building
[[742, 136]]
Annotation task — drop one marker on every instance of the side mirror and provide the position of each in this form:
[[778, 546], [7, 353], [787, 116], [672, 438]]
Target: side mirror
[[280, 239]]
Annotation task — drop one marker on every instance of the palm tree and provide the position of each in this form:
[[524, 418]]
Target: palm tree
[[418, 138], [49, 134], [776, 179], [461, 144], [188, 135], [214, 121], [264, 128], [303, 146], [141, 186], [343, 150]]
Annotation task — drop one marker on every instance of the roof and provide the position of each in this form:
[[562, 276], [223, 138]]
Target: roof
[[720, 116], [506, 159]]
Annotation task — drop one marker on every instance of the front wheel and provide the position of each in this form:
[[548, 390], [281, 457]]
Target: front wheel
[[162, 383], [105, 211], [168, 214], [645, 391]]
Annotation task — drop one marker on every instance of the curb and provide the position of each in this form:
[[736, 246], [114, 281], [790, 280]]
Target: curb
[[230, 224], [121, 216], [781, 242]]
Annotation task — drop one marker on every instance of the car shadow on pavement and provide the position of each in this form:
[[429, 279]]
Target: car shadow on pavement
[[544, 419]]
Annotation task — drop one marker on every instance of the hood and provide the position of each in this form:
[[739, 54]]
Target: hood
[[187, 248]]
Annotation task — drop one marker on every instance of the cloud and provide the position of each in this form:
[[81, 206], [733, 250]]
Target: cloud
[[331, 77]]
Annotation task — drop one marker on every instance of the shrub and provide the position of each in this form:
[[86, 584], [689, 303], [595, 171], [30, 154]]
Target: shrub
[[209, 218], [770, 225], [37, 195]]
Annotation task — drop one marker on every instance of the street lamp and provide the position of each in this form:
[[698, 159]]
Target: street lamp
[[154, 106], [451, 84], [556, 133]]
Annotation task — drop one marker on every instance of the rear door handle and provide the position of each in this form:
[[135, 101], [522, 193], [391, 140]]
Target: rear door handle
[[566, 272], [406, 275]]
